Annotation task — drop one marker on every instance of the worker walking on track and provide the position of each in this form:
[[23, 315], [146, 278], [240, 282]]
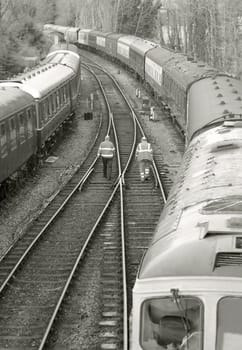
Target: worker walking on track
[[144, 156], [106, 151]]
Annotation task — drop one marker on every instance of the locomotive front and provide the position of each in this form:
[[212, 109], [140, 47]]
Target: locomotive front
[[188, 292]]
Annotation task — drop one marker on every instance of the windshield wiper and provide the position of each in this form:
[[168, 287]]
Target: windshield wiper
[[176, 298]]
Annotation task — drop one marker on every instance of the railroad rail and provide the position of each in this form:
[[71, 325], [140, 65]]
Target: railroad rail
[[37, 272]]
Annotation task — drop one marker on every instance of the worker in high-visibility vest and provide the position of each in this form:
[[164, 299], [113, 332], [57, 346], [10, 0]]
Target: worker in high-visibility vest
[[106, 151], [144, 156]]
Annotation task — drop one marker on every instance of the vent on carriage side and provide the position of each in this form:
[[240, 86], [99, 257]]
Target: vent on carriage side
[[228, 259]]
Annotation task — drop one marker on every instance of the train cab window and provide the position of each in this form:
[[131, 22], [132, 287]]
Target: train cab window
[[13, 134], [229, 320], [21, 128], [168, 323], [30, 125], [3, 140]]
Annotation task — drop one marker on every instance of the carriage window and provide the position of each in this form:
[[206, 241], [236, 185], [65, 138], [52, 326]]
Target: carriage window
[[72, 87], [53, 103], [65, 94], [13, 134], [168, 323], [4, 149], [57, 100], [49, 107], [229, 319], [62, 96], [30, 124], [21, 128], [46, 111]]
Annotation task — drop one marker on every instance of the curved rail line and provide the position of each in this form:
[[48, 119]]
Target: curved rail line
[[47, 223]]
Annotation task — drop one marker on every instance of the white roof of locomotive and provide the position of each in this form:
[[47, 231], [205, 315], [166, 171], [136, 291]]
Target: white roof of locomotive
[[200, 229]]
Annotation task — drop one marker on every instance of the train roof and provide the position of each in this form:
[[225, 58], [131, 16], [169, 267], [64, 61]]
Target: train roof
[[115, 36], [85, 30], [200, 229], [185, 71], [12, 100], [56, 27], [211, 98], [73, 30], [41, 81], [160, 55], [101, 34], [69, 58], [141, 46], [63, 46], [127, 39]]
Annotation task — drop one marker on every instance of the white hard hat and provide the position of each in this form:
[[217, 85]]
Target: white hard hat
[[144, 138], [107, 138]]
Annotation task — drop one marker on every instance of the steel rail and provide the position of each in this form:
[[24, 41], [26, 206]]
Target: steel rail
[[50, 221], [120, 187], [140, 128], [56, 194]]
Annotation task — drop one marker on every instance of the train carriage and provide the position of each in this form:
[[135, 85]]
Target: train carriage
[[101, 41], [92, 39], [123, 48], [83, 37], [64, 54], [17, 130], [71, 35], [53, 100], [54, 87], [179, 74], [154, 62], [111, 44], [138, 50]]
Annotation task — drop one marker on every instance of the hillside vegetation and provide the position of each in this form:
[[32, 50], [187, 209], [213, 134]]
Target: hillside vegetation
[[207, 30]]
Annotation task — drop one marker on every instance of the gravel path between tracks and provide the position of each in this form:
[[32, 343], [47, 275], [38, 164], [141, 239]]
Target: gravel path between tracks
[[18, 211]]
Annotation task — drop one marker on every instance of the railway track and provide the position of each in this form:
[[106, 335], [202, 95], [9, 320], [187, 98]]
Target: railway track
[[82, 237]]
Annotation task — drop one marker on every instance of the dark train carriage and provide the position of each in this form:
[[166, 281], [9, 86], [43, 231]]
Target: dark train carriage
[[154, 61], [71, 35], [92, 38], [111, 44], [138, 50], [178, 75], [55, 92], [17, 129], [123, 48], [83, 37], [102, 41]]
